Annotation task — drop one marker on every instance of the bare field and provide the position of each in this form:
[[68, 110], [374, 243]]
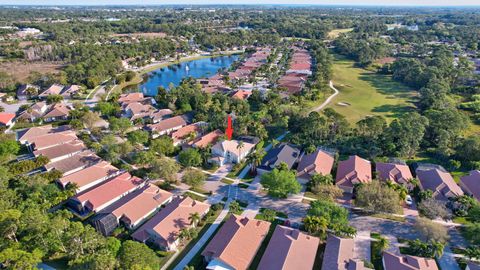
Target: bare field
[[20, 70]]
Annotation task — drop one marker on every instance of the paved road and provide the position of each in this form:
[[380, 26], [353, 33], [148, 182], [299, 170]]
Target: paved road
[[362, 245], [13, 108], [203, 240], [329, 99]]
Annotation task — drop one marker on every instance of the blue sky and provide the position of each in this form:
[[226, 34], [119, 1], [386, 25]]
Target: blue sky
[[319, 2]]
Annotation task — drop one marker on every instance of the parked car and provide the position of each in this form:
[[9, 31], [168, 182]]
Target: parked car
[[409, 200]]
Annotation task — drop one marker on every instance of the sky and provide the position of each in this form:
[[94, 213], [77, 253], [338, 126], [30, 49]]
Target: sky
[[247, 2]]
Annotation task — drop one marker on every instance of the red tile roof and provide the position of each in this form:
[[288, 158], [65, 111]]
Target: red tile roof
[[398, 173], [471, 184], [131, 97], [440, 182], [183, 132], [237, 241], [90, 175], [6, 117], [61, 150], [167, 224], [319, 162], [77, 161], [107, 193], [30, 134], [407, 262], [58, 110], [289, 249], [169, 123], [242, 94], [353, 170], [53, 139], [210, 138], [339, 255]]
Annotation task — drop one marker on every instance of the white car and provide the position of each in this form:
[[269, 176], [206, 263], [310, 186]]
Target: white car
[[409, 200]]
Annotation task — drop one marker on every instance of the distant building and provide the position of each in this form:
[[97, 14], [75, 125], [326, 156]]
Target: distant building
[[167, 126], [54, 89]]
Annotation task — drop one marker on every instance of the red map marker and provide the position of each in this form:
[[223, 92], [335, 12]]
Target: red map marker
[[229, 130]]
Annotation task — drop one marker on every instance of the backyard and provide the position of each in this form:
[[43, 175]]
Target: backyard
[[364, 93]]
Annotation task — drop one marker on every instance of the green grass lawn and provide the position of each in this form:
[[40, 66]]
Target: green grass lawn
[[365, 93]]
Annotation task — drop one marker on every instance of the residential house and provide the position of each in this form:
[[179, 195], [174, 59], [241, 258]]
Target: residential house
[[57, 112], [230, 151], [137, 110], [438, 181], [282, 153], [167, 126], [6, 119], [36, 111], [23, 94], [132, 210], [354, 170], [318, 162], [207, 139], [471, 184], [62, 151], [128, 98], [395, 172], [241, 94], [289, 249], [27, 136], [70, 91], [188, 133], [74, 163], [95, 199], [163, 228], [90, 176], [391, 261], [339, 254], [54, 139], [235, 245], [160, 115], [54, 89]]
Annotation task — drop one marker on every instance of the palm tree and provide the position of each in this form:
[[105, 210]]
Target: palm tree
[[240, 146], [315, 225], [255, 159], [234, 207], [437, 248], [194, 218], [184, 234], [383, 243]]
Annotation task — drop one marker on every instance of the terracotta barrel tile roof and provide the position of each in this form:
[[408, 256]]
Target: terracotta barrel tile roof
[[353, 170], [407, 262], [89, 175], [318, 162]]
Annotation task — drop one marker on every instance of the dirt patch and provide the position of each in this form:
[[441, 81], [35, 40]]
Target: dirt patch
[[143, 35], [20, 70], [344, 104]]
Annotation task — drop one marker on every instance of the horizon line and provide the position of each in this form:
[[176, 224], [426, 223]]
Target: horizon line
[[238, 4]]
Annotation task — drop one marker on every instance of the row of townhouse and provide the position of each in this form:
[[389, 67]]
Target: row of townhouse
[[356, 170], [115, 197], [48, 113], [300, 67], [27, 91]]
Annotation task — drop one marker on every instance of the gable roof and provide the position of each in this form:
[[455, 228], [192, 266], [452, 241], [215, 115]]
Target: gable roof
[[54, 89], [89, 175], [168, 223], [231, 146], [58, 110], [131, 97], [186, 130], [237, 241], [61, 150], [282, 153], [339, 255], [440, 182], [161, 114], [139, 203], [471, 183], [6, 117], [398, 173], [289, 249], [83, 159], [242, 94], [109, 191], [353, 170], [28, 135], [169, 123], [318, 162], [209, 138], [53, 139], [407, 262]]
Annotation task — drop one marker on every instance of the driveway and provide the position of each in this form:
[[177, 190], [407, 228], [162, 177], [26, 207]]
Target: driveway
[[13, 108]]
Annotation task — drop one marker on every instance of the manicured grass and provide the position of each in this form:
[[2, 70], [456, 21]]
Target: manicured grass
[[364, 93], [195, 196], [376, 252], [278, 213], [389, 217], [336, 32], [200, 190], [227, 181], [236, 170]]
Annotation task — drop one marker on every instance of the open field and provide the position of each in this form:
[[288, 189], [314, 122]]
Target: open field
[[142, 35], [20, 70], [365, 93], [336, 32]]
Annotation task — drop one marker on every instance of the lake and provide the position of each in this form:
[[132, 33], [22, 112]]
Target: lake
[[173, 74]]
